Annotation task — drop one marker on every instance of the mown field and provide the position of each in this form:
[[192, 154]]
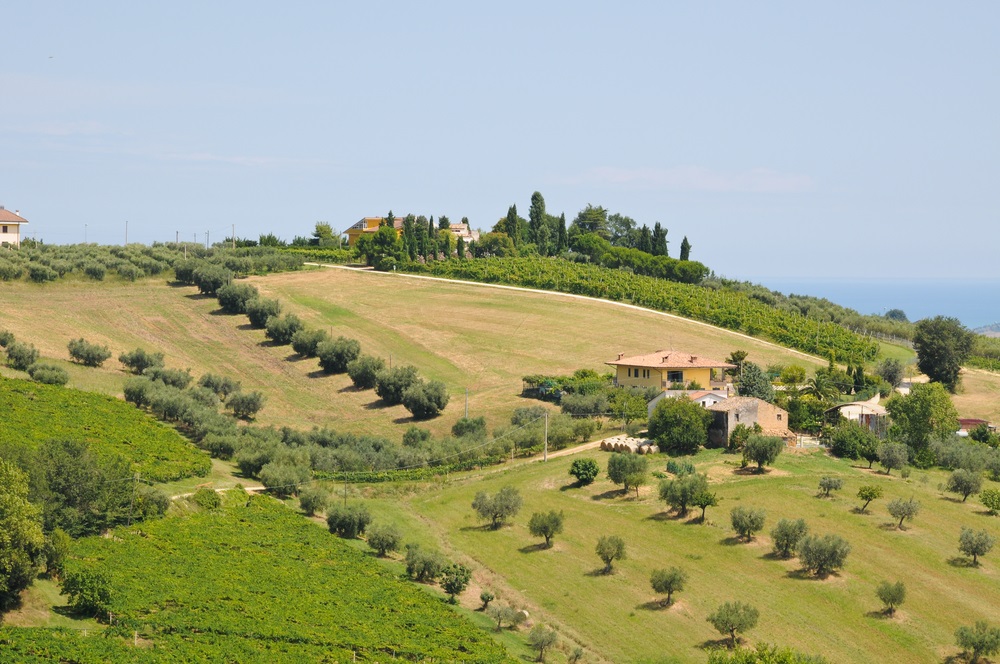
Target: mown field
[[252, 582], [34, 413], [475, 338], [616, 618]]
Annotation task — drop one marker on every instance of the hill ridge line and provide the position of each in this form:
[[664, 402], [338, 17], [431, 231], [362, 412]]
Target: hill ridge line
[[589, 298]]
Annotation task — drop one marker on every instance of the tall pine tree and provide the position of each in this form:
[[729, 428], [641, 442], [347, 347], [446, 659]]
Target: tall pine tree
[[562, 243], [536, 221], [685, 249], [510, 225], [659, 240]]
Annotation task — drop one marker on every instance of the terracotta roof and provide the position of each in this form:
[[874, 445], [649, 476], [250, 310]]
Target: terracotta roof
[[669, 359], [867, 407], [733, 403], [10, 217]]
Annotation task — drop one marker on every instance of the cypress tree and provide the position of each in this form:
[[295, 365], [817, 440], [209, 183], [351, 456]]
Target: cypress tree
[[685, 249]]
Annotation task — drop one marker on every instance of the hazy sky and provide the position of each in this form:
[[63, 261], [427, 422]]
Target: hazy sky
[[793, 139]]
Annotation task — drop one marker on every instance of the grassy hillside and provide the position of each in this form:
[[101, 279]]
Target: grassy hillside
[[470, 337], [254, 582], [838, 617], [34, 413]]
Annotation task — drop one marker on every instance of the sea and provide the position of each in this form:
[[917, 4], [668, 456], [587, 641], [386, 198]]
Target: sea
[[976, 303]]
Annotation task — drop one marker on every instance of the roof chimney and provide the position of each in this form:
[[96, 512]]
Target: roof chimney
[[620, 355]]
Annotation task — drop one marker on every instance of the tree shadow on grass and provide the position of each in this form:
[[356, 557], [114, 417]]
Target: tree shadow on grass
[[483, 528], [751, 471], [961, 561], [803, 575], [717, 644], [199, 296], [349, 388], [613, 493], [662, 516], [246, 326], [879, 615], [406, 419], [295, 357], [775, 556], [571, 485], [270, 343], [890, 525], [318, 373], [731, 541], [955, 659], [652, 605], [376, 405], [857, 510], [532, 548], [600, 571], [952, 499]]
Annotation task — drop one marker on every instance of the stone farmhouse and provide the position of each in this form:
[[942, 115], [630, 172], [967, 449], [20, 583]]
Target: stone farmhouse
[[730, 412]]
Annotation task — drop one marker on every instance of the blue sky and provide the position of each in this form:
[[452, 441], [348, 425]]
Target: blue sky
[[790, 139]]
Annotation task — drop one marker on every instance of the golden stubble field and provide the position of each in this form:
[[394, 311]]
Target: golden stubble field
[[471, 337]]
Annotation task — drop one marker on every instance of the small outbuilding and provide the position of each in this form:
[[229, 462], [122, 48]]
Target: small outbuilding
[[733, 411]]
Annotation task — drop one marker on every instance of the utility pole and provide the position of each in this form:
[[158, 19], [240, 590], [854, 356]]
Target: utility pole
[[206, 239], [177, 237], [234, 236], [545, 453]]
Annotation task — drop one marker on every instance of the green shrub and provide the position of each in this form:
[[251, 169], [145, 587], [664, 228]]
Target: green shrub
[[335, 354], [48, 374], [206, 499], [21, 355], [281, 330], [245, 405], [260, 310], [88, 354], [41, 273], [139, 360], [233, 297], [364, 371], [95, 271], [348, 522], [174, 377], [10, 271], [210, 278], [585, 471], [305, 342], [223, 386], [425, 400], [6, 338]]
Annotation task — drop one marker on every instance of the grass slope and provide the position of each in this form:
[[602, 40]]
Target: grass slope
[[838, 617], [34, 413], [254, 582]]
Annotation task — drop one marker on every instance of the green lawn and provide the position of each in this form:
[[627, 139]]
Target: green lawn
[[837, 617]]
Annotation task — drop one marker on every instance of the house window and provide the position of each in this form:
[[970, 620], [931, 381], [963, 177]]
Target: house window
[[779, 417], [737, 417], [675, 376], [630, 372], [4, 229]]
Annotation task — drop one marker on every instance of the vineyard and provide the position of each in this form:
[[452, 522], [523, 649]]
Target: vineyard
[[252, 581], [724, 308], [35, 413]]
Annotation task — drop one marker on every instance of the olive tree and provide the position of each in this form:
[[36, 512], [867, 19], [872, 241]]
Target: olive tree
[[868, 493], [762, 450], [747, 520], [364, 370], [904, 510], [965, 482], [88, 354], [978, 640], [668, 581], [496, 509], [384, 538], [975, 543], [828, 484], [891, 594], [628, 470], [787, 534], [990, 498], [541, 638], [546, 524], [734, 618], [822, 555], [680, 493], [609, 549], [335, 354], [892, 455]]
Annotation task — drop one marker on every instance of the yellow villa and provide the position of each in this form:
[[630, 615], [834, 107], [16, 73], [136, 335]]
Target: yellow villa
[[369, 225], [665, 368]]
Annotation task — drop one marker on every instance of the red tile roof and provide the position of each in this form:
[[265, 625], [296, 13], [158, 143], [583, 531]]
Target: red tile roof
[[10, 217], [669, 359]]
